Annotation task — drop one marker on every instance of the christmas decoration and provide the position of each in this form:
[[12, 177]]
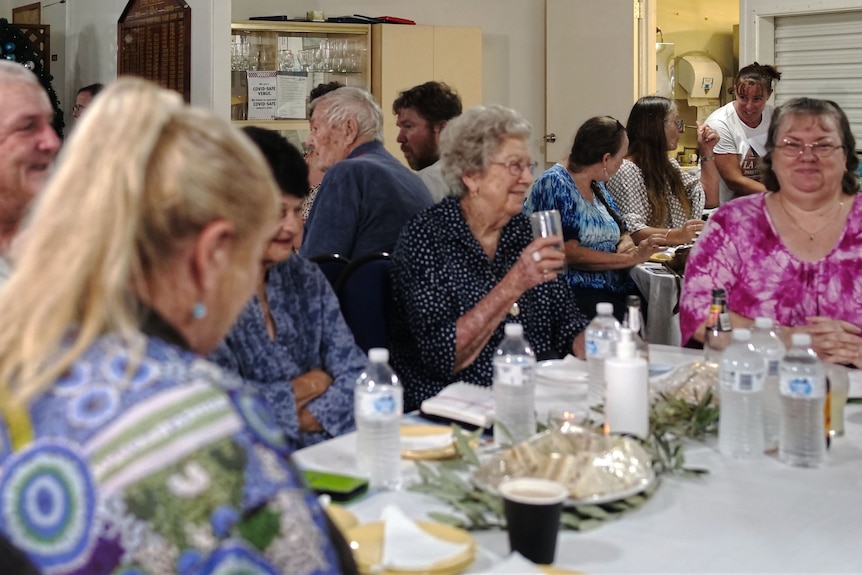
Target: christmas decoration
[[14, 46]]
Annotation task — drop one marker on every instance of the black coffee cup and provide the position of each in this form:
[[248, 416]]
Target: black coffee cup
[[532, 508]]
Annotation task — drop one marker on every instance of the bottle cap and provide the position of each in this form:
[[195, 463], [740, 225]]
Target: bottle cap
[[801, 339], [514, 329], [763, 323], [718, 292], [378, 355], [625, 345], [741, 334], [633, 301], [604, 308]]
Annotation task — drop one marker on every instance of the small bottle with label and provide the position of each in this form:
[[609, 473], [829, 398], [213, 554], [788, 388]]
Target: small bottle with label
[[741, 374], [803, 397], [378, 405], [514, 388], [718, 329]]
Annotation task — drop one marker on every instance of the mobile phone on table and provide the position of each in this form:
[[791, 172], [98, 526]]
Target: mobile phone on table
[[338, 487]]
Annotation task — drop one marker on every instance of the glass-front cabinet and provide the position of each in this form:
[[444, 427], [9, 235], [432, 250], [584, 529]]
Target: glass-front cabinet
[[275, 65]]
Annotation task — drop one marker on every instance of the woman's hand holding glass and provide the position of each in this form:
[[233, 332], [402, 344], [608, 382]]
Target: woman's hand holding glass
[[537, 263]]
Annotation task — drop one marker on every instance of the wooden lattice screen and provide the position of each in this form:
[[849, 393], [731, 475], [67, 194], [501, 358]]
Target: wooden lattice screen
[[39, 36]]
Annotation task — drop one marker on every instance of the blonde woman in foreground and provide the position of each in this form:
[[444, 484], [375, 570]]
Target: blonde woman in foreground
[[125, 450]]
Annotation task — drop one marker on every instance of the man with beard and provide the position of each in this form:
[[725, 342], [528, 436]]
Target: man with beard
[[28, 144], [423, 111]]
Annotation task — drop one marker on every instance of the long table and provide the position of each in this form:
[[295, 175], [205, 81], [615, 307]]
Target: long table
[[757, 516]]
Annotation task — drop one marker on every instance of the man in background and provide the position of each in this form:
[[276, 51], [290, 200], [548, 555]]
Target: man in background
[[366, 195], [28, 144], [83, 98], [423, 111]]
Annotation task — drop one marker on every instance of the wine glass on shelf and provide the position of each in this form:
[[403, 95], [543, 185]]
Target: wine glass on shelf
[[285, 60]]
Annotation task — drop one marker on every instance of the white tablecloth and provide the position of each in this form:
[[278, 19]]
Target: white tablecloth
[[743, 517], [659, 287]]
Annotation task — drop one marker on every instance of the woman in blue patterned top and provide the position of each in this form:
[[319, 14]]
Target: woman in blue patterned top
[[599, 251], [122, 450], [291, 342]]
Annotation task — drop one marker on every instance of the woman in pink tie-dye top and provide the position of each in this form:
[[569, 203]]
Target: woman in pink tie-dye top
[[793, 254]]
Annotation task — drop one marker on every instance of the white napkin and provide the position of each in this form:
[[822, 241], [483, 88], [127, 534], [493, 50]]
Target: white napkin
[[426, 442], [515, 564], [408, 546]]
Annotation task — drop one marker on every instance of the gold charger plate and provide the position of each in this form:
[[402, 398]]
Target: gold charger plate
[[445, 452], [366, 541], [343, 519], [551, 570]]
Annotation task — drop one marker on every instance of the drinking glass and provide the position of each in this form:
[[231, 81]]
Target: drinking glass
[[546, 224]]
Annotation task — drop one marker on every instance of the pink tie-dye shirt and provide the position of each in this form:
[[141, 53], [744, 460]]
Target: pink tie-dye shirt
[[740, 251]]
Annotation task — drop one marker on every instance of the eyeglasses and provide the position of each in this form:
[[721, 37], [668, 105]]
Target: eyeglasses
[[794, 148], [78, 108], [517, 167], [680, 124]]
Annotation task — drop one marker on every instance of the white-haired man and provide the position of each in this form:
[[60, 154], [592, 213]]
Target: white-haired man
[[366, 195], [28, 145]]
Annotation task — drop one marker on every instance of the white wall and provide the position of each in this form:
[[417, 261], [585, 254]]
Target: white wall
[[513, 41], [92, 45]]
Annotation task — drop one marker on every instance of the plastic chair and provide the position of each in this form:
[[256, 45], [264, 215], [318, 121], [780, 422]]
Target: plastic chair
[[332, 266], [365, 293]]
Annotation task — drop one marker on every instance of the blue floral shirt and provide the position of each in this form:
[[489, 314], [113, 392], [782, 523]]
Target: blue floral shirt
[[169, 468], [587, 222], [310, 333]]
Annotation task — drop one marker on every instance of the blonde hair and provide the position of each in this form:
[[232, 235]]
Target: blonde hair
[[140, 174]]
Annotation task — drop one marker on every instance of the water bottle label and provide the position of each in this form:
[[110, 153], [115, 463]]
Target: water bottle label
[[800, 387], [772, 368], [516, 375], [742, 381], [379, 405], [598, 347]]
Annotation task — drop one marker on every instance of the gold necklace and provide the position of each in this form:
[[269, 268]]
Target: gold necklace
[[796, 223]]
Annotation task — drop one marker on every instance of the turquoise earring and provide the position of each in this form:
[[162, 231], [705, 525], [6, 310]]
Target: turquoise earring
[[199, 311]]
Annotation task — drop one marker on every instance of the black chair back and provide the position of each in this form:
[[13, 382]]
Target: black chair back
[[332, 266], [365, 293]]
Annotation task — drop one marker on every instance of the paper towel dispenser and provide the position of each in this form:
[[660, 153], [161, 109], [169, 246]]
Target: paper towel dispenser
[[700, 76]]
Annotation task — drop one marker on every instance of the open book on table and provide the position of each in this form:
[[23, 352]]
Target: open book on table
[[462, 402]]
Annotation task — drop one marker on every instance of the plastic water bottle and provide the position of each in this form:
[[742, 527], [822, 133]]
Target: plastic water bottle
[[378, 405], [514, 388], [802, 383], [634, 320], [602, 334], [767, 343], [741, 373]]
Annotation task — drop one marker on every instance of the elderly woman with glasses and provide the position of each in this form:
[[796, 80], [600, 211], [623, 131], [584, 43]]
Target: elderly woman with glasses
[[464, 268], [793, 254], [653, 192]]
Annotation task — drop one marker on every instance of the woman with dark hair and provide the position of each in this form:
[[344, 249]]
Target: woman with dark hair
[[654, 194], [793, 254], [291, 343], [742, 126], [599, 250]]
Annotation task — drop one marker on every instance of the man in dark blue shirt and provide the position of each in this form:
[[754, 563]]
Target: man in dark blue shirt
[[366, 195]]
